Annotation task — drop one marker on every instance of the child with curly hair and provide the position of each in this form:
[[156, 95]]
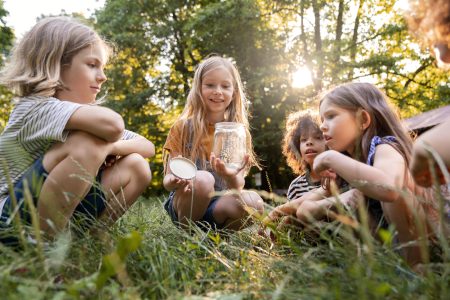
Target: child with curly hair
[[302, 142]]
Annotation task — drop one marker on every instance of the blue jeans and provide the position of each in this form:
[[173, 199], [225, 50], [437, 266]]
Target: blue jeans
[[207, 218]]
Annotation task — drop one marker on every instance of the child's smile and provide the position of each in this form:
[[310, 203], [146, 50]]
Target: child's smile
[[217, 91]]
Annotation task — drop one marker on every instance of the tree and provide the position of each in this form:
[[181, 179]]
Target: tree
[[6, 41], [160, 42]]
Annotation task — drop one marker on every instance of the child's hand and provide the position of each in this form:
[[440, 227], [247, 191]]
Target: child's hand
[[328, 173], [288, 209], [178, 183], [233, 177], [322, 162], [110, 161]]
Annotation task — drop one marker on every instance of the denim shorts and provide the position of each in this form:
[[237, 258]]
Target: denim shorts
[[89, 209], [207, 219]]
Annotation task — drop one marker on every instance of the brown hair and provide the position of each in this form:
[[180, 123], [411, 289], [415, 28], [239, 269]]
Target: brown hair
[[355, 97], [430, 20], [298, 124], [36, 62]]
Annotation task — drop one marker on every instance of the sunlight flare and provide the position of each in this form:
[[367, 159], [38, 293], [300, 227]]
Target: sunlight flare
[[301, 78], [402, 5]]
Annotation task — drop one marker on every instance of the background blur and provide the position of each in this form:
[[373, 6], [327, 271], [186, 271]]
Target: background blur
[[287, 52]]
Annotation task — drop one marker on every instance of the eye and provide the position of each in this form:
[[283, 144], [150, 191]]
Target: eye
[[91, 65]]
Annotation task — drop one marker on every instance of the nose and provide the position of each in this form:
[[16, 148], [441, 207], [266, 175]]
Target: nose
[[323, 127], [218, 90], [101, 77]]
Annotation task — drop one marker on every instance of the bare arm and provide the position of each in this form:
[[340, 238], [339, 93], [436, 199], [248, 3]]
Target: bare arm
[[290, 208], [435, 138], [319, 210], [138, 145], [99, 121], [383, 181]]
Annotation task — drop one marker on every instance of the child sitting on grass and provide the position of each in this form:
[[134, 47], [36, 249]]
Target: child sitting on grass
[[302, 142], [57, 139]]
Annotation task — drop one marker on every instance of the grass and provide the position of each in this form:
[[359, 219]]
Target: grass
[[145, 256]]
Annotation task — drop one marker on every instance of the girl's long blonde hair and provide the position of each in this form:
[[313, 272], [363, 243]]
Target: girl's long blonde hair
[[194, 113], [34, 67]]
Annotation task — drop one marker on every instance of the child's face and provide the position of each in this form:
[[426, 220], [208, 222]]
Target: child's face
[[84, 77], [217, 90], [339, 126], [312, 144]]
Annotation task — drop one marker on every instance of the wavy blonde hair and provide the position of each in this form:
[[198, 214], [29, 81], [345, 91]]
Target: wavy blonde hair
[[195, 110], [34, 67]]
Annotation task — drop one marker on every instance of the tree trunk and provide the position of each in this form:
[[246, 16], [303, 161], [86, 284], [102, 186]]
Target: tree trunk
[[355, 39], [338, 37], [318, 43]]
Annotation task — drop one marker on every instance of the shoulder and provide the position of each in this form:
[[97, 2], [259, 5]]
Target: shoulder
[[387, 150], [46, 103], [299, 180], [388, 158], [179, 125]]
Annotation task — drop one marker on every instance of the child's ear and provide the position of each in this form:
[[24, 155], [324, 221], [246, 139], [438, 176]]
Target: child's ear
[[365, 119]]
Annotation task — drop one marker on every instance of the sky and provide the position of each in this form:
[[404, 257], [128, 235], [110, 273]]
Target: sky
[[23, 13]]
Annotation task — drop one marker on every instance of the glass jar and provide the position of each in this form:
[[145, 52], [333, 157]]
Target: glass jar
[[230, 143]]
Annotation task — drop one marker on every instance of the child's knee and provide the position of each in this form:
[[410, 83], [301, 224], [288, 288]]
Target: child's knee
[[204, 184], [81, 145], [84, 148], [139, 167]]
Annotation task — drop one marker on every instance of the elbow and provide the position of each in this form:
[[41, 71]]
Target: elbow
[[147, 148], [116, 127], [151, 150]]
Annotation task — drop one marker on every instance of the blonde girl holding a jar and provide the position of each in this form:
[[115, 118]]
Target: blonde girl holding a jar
[[216, 96]]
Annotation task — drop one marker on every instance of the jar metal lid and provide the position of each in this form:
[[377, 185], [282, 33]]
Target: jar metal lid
[[183, 168]]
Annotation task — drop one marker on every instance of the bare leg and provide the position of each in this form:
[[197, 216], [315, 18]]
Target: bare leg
[[71, 166], [123, 183], [203, 190], [230, 209]]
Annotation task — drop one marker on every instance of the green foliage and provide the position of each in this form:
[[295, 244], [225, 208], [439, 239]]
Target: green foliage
[[6, 41], [159, 43]]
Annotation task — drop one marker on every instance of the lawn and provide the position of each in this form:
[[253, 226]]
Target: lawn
[[145, 256]]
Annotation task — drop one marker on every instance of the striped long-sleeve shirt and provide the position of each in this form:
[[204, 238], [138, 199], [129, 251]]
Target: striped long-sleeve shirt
[[34, 125]]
